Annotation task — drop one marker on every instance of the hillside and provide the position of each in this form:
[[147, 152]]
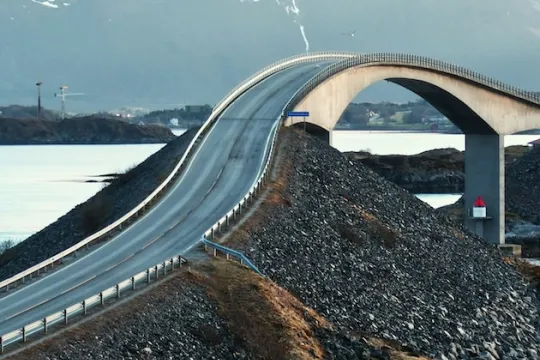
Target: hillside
[[83, 130]]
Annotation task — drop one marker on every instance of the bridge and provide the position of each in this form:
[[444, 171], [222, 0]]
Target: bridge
[[227, 162]]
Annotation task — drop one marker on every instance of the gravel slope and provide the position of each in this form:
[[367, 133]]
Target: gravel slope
[[369, 256], [175, 320], [102, 209], [523, 186]]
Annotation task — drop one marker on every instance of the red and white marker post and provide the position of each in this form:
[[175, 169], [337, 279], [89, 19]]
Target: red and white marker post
[[479, 208]]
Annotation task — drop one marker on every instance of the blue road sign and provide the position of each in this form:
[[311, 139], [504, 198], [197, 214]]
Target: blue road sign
[[298, 114]]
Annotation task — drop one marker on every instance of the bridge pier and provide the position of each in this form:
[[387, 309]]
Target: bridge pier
[[484, 176]]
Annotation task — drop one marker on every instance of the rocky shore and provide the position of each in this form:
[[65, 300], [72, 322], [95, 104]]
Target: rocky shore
[[433, 171], [83, 130], [372, 258], [108, 205]]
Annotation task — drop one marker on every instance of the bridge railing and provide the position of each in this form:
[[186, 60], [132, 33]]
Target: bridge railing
[[62, 317], [414, 61], [272, 69], [177, 171], [244, 260]]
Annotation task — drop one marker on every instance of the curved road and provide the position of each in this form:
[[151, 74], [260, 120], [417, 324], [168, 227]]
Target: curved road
[[228, 162]]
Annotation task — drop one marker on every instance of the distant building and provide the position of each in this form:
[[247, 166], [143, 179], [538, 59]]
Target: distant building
[[435, 119]]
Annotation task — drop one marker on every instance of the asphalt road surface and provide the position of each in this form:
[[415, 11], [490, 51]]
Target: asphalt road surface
[[227, 164]]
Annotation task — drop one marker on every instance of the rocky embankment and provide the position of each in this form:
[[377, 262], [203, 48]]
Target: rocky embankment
[[373, 259], [523, 199], [433, 171], [84, 130], [523, 186], [216, 310], [375, 275], [108, 205]]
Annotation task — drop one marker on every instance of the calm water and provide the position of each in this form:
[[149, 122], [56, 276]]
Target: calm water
[[38, 184]]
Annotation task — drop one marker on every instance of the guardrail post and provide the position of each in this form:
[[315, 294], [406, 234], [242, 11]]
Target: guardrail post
[[24, 334], [147, 275], [215, 252], [234, 214], [84, 307], [219, 227], [157, 273], [212, 233], [228, 256], [117, 291], [164, 268], [45, 326], [172, 264], [65, 316], [179, 261], [133, 283], [227, 220], [101, 299], [23, 279]]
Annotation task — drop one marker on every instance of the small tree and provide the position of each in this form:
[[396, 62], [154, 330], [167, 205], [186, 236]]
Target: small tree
[[6, 244]]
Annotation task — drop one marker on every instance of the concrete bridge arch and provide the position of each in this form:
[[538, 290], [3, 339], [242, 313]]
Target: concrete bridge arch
[[483, 108], [472, 107]]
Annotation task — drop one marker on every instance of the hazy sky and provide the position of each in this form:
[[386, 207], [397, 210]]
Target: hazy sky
[[160, 52]]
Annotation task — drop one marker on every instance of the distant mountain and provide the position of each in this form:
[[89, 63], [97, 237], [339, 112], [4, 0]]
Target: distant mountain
[[164, 53]]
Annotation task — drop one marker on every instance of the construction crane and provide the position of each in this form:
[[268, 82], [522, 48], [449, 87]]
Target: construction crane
[[63, 96]]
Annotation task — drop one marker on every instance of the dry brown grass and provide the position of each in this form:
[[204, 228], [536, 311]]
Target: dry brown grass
[[267, 319], [529, 271], [276, 196], [385, 234], [394, 349]]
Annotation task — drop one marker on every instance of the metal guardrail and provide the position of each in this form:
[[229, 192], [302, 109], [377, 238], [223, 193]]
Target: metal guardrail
[[252, 192], [365, 60], [244, 260], [350, 60], [176, 172], [43, 325]]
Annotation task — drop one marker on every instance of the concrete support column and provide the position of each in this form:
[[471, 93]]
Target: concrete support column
[[484, 176]]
